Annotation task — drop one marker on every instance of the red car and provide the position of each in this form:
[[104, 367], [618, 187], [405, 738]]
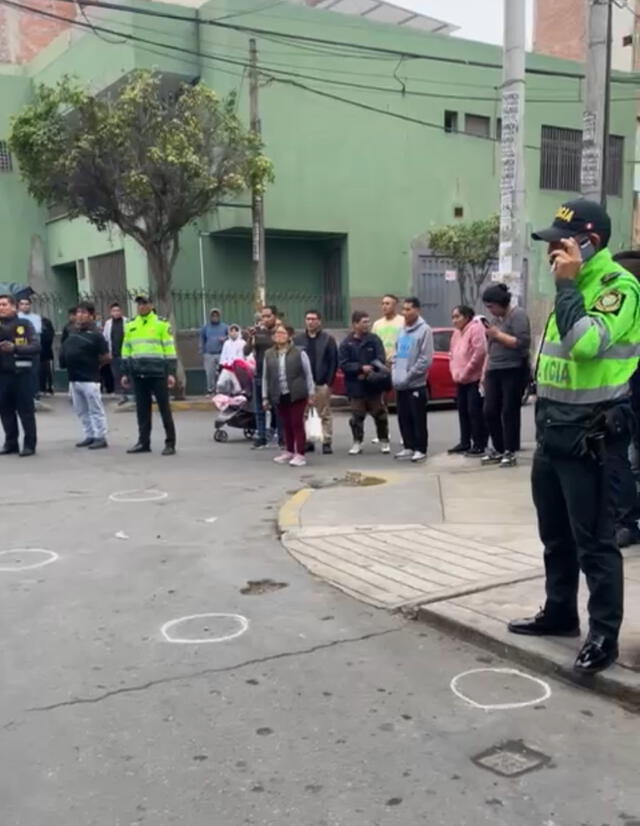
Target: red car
[[439, 382]]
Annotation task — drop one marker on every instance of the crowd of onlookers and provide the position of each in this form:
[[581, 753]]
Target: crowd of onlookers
[[291, 373]]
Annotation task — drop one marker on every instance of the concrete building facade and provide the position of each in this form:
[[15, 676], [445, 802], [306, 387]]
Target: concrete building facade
[[371, 150]]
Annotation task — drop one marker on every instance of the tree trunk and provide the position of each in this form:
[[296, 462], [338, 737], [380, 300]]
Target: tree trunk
[[161, 259]]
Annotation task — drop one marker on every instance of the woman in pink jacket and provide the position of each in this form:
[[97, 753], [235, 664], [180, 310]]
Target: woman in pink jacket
[[468, 352]]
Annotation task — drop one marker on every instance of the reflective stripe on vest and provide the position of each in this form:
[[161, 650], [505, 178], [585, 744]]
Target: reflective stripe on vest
[[593, 396], [618, 351]]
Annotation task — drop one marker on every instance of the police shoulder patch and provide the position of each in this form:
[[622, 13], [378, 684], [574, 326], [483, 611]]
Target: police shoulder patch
[[610, 302]]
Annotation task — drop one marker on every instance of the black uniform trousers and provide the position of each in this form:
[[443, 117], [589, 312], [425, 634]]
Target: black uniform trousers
[[16, 401], [412, 418], [473, 429], [574, 501], [146, 388], [622, 484]]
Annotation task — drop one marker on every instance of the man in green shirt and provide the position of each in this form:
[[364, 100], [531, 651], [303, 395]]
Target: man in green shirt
[[589, 351]]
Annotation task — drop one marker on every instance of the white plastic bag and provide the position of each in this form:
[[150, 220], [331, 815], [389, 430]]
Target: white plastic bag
[[313, 426]]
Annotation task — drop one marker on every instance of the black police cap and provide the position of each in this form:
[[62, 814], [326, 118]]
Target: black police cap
[[576, 218]]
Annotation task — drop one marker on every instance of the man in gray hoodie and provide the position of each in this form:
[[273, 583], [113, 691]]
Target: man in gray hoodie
[[412, 359]]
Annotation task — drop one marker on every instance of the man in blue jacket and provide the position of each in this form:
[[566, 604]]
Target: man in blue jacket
[[212, 337], [362, 360], [412, 358]]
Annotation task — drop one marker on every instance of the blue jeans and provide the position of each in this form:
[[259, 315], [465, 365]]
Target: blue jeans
[[261, 415]]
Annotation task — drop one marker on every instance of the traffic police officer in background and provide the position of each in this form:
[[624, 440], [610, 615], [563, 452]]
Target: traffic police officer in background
[[149, 361], [19, 345], [589, 352]]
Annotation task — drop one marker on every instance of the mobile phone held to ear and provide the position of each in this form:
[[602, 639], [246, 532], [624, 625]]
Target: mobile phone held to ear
[[587, 250]]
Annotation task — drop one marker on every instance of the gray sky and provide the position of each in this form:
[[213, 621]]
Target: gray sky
[[478, 19]]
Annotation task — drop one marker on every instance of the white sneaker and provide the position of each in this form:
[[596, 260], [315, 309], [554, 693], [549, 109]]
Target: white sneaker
[[405, 453], [298, 461], [375, 441], [385, 447], [418, 456], [283, 458], [356, 450]]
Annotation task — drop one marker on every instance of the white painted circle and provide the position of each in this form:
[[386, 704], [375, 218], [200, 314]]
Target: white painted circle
[[546, 689], [242, 623], [50, 556], [144, 495]]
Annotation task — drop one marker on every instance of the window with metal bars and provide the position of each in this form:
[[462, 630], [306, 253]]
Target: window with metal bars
[[560, 157], [5, 157]]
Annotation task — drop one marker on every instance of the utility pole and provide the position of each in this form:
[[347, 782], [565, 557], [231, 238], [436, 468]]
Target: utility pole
[[257, 201], [595, 134], [512, 178]]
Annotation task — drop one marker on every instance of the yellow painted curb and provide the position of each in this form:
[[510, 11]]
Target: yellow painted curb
[[289, 513]]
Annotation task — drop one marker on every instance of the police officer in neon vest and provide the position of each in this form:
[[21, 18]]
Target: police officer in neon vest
[[149, 361], [589, 351]]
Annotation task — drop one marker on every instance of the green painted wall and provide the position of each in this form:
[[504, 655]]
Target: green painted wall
[[379, 181], [21, 222]]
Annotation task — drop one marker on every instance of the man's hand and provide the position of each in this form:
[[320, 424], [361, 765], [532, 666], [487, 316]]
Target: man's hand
[[367, 368], [492, 333], [7, 346], [312, 400], [566, 262], [171, 382], [265, 405], [125, 382]]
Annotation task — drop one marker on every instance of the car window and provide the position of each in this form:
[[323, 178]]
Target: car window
[[441, 340]]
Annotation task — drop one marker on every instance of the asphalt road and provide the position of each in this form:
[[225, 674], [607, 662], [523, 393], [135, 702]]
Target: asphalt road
[[316, 711]]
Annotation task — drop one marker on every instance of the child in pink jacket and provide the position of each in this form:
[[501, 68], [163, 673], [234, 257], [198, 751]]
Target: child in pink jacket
[[468, 352]]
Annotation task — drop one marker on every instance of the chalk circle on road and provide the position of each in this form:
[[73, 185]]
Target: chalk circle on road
[[221, 627], [141, 495], [543, 694], [25, 559]]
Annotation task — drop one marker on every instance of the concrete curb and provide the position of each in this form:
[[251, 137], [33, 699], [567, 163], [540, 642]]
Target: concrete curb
[[289, 513], [618, 683]]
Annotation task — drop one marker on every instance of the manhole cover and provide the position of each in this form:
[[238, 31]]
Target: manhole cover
[[511, 759], [262, 586]]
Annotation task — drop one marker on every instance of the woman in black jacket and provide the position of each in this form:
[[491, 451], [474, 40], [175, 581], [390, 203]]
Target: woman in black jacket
[[362, 360]]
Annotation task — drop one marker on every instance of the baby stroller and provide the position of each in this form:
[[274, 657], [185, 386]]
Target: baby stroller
[[234, 400]]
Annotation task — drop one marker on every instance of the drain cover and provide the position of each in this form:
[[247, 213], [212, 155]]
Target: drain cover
[[511, 759]]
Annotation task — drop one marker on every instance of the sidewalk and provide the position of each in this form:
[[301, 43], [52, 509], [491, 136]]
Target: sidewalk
[[455, 545]]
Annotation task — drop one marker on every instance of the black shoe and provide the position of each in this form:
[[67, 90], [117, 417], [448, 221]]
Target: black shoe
[[475, 451], [627, 536], [7, 450], [169, 450], [27, 451], [596, 654], [459, 448], [259, 444], [98, 444], [138, 448], [543, 626], [309, 447], [85, 443], [327, 449]]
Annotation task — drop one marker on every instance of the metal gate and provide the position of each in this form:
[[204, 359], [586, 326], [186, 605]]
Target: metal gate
[[437, 295], [108, 281]]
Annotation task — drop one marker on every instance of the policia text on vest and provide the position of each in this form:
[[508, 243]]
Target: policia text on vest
[[589, 351], [149, 361]]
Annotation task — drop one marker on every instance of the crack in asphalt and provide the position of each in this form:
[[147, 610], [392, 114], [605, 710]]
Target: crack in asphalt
[[206, 672]]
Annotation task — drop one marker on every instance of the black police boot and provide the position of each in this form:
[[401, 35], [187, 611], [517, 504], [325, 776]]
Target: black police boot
[[625, 537], [169, 450], [27, 451], [139, 448], [85, 442], [596, 654], [543, 626], [7, 450]]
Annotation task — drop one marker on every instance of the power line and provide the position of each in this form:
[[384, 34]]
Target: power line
[[252, 30]]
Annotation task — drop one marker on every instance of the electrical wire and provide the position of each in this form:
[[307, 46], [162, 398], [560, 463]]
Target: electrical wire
[[299, 38]]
